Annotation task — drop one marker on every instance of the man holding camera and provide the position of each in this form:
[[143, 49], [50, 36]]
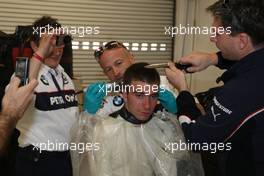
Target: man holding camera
[[44, 130]]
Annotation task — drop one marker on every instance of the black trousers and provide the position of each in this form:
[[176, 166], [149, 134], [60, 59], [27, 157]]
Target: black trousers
[[32, 162]]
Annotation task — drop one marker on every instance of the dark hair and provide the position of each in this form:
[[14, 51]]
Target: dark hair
[[242, 16], [44, 21], [138, 72]]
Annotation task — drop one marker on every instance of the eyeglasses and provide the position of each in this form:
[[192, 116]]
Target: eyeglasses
[[110, 45]]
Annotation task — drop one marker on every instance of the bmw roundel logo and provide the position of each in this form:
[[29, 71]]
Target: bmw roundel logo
[[118, 100]]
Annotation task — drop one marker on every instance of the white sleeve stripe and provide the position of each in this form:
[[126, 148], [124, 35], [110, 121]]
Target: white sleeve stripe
[[244, 121], [185, 119]]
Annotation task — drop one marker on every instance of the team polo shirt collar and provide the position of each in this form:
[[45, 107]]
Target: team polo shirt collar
[[253, 60]]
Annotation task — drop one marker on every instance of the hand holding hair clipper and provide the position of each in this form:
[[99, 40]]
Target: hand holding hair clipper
[[166, 65]]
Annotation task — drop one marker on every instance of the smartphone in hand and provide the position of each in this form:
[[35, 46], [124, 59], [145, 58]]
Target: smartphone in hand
[[21, 71]]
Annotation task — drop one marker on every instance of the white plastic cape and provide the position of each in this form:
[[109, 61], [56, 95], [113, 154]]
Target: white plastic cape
[[124, 149]]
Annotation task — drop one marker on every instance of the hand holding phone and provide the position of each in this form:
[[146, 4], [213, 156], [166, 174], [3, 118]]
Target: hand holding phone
[[21, 71]]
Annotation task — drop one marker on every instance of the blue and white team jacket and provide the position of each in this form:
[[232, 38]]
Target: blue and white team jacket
[[48, 120]]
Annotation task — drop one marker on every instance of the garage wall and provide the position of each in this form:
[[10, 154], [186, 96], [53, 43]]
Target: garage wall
[[139, 24], [193, 12]]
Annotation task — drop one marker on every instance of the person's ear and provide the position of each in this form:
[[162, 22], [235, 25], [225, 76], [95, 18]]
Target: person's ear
[[33, 46], [244, 41], [132, 58]]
